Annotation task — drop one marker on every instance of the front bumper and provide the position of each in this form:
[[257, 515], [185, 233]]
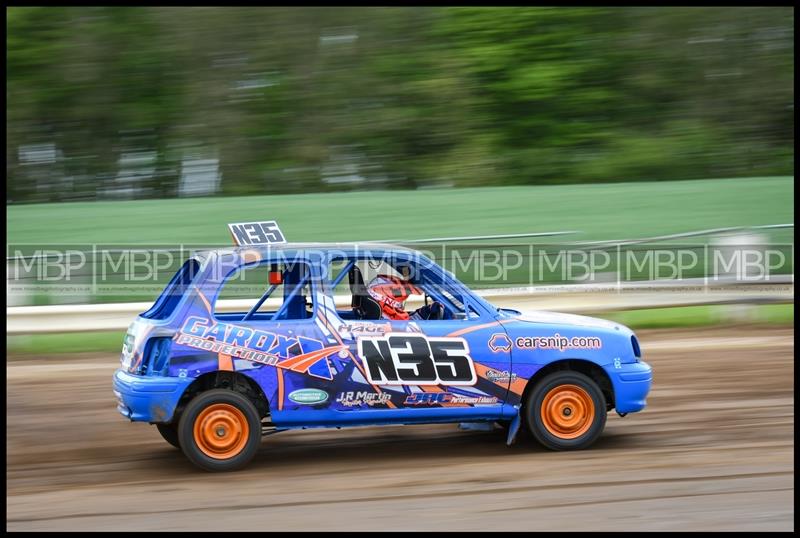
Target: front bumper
[[148, 399], [631, 385]]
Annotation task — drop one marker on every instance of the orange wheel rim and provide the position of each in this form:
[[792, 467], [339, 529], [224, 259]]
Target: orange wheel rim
[[567, 411], [221, 431]]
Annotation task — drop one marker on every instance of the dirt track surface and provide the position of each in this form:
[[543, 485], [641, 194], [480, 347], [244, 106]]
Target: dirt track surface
[[712, 451]]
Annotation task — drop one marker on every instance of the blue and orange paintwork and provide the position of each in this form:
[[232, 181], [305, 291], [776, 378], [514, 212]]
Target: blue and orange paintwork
[[331, 365]]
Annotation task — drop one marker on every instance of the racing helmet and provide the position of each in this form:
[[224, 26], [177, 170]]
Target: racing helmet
[[391, 292]]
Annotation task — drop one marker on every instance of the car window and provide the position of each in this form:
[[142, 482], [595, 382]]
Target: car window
[[385, 281], [268, 291]]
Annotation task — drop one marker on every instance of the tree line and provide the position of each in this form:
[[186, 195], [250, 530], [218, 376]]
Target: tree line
[[288, 100]]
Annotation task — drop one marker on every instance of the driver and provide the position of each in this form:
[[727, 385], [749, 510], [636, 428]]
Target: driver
[[391, 292]]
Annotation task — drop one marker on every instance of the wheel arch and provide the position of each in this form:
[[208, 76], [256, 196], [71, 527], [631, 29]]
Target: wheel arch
[[224, 379], [591, 369]]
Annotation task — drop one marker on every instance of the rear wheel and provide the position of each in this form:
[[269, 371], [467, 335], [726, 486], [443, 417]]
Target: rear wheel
[[170, 433], [566, 410], [220, 430]]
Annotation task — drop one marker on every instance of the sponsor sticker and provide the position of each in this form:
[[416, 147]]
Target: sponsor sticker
[[432, 398], [352, 398], [359, 328], [308, 396], [558, 342], [500, 377], [499, 342], [297, 353]]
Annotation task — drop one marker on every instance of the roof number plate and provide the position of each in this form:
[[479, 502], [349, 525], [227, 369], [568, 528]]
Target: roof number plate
[[256, 233]]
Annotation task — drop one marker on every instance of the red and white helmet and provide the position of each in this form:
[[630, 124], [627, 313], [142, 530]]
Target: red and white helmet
[[391, 292]]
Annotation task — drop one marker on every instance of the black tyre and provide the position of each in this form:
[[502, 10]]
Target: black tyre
[[170, 433], [566, 410], [220, 430]]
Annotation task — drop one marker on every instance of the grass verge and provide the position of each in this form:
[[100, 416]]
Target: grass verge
[[600, 211]]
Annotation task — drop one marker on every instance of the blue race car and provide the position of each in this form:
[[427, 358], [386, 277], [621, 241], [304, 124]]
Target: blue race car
[[314, 347]]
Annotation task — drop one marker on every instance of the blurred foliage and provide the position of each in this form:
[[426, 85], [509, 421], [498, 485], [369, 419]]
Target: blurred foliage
[[318, 99]]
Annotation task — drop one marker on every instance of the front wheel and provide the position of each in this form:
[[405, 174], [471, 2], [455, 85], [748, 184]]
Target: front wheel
[[220, 430], [566, 410]]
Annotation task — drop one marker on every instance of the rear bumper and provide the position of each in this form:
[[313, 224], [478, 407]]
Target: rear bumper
[[148, 399], [631, 385]]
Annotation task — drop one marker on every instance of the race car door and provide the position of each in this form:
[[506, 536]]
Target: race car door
[[426, 369]]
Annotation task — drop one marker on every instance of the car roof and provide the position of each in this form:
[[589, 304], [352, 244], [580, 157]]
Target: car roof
[[298, 249]]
